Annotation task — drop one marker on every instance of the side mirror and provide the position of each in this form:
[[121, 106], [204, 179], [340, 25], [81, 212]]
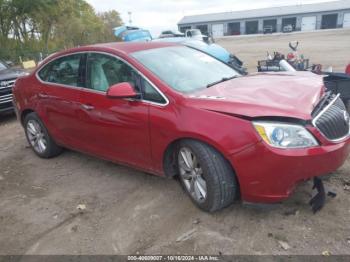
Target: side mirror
[[121, 90]]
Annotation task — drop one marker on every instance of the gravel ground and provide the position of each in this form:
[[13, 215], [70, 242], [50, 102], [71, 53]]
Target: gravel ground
[[327, 47], [125, 211]]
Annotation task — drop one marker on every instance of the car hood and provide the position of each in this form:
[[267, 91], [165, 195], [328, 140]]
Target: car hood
[[11, 73], [263, 94]]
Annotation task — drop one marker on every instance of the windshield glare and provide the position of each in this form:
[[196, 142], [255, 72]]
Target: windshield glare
[[184, 69]]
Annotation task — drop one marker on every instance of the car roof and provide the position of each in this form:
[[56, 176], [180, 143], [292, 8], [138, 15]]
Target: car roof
[[123, 47], [114, 47]]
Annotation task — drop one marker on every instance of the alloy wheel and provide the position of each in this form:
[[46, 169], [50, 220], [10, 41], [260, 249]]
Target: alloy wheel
[[36, 136], [191, 174]]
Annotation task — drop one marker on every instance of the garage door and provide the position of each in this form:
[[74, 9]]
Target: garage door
[[346, 22], [218, 30], [308, 23]]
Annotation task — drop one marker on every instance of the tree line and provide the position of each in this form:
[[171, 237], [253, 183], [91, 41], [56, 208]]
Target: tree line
[[28, 28]]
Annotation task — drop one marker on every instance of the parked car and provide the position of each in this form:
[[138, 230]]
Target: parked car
[[212, 49], [172, 110], [171, 33], [8, 77], [268, 29], [347, 69], [287, 29], [132, 34], [196, 34]]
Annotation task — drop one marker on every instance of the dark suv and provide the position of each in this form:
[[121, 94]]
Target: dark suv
[[8, 77]]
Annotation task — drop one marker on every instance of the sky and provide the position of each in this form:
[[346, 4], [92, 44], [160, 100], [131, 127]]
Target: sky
[[159, 15]]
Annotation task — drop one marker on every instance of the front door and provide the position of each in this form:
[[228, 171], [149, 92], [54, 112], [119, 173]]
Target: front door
[[116, 129]]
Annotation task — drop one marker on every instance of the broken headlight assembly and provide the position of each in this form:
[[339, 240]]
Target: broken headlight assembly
[[286, 136]]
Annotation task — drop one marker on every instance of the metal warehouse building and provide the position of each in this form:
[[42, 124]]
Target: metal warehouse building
[[306, 17]]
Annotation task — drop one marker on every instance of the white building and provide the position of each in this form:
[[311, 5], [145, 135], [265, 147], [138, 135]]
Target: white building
[[306, 17]]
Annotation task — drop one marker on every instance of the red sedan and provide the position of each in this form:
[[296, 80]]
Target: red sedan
[[172, 110]]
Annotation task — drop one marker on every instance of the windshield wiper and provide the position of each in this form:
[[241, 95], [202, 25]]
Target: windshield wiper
[[224, 79]]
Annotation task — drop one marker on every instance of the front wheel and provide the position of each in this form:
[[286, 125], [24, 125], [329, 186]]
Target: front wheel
[[206, 175], [38, 137]]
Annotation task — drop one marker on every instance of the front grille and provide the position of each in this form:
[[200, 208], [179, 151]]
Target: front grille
[[333, 119], [5, 99], [7, 83], [6, 91]]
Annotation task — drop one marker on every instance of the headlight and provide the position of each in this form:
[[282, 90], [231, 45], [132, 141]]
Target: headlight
[[285, 135]]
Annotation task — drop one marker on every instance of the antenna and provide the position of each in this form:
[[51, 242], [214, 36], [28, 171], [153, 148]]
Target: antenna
[[130, 20]]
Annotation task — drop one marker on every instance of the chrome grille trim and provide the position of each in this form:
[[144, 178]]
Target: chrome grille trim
[[9, 83], [5, 99], [323, 111]]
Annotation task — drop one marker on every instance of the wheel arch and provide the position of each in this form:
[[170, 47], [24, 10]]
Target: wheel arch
[[169, 157], [24, 113]]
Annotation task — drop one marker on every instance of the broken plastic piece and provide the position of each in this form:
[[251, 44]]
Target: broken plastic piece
[[81, 207], [331, 194], [318, 201]]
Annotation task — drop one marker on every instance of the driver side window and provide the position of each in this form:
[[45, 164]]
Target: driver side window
[[104, 71]]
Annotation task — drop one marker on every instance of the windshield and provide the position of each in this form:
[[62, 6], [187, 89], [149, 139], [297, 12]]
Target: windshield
[[2, 66], [183, 68]]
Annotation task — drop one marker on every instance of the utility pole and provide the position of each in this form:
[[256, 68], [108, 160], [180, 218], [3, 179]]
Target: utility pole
[[130, 20]]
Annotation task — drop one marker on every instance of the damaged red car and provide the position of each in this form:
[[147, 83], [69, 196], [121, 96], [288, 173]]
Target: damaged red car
[[172, 110]]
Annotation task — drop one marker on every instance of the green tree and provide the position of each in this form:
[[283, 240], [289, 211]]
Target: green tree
[[50, 25], [110, 19]]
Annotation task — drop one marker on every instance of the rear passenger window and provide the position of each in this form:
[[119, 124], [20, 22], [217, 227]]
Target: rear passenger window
[[64, 70]]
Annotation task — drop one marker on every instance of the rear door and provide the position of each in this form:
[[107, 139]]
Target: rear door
[[59, 97], [116, 129]]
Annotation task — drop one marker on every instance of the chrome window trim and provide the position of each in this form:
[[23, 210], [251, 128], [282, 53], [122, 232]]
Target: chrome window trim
[[103, 92], [320, 114], [41, 67]]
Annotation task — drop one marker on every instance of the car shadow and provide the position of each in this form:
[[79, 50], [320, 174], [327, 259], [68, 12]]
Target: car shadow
[[6, 118]]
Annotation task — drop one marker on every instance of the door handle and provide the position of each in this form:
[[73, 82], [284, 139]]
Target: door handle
[[43, 95], [87, 107]]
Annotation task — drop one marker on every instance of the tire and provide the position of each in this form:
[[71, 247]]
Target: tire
[[208, 165], [347, 105], [38, 137]]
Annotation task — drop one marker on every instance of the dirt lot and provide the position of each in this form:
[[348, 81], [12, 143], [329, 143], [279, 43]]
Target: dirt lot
[[129, 212], [328, 47]]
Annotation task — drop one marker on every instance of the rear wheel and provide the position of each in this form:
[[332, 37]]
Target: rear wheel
[[206, 175], [38, 137]]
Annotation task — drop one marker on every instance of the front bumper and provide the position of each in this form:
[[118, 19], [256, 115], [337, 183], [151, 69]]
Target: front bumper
[[269, 175]]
